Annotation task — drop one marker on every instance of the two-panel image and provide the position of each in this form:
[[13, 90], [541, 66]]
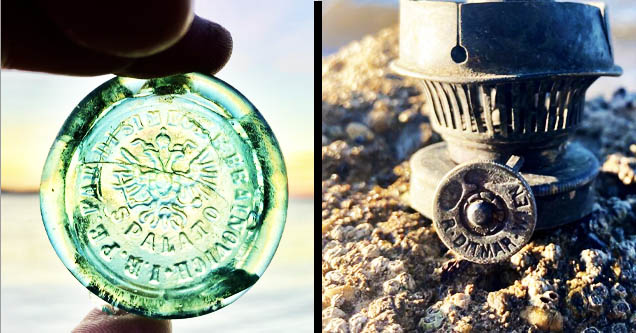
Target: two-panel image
[[160, 161]]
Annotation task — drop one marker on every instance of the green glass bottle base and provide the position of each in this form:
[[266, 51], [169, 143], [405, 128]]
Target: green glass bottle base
[[165, 197]]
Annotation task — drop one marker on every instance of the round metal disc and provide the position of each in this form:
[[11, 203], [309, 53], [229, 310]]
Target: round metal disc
[[484, 211], [165, 197]]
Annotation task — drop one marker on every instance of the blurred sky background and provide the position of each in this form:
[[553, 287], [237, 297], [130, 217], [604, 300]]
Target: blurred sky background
[[272, 65], [347, 20]]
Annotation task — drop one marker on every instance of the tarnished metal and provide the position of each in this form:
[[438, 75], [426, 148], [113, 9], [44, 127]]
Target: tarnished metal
[[484, 211], [478, 41], [503, 78], [561, 190]]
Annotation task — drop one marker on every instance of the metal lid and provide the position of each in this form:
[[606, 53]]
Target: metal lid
[[165, 197], [476, 41]]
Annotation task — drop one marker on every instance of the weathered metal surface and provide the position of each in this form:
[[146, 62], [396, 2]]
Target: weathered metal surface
[[561, 190], [495, 120], [484, 211], [453, 41], [502, 78]]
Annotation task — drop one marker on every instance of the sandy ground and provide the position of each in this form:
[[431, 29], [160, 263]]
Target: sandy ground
[[385, 270]]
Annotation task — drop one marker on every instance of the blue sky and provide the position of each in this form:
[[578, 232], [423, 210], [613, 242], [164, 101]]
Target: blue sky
[[271, 64]]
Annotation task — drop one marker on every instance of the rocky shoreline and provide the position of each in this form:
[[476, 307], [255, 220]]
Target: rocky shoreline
[[384, 268]]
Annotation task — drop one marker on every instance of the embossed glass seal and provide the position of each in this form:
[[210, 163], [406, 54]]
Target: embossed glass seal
[[165, 197]]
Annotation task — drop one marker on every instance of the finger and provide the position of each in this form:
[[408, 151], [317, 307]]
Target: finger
[[122, 27], [206, 47], [98, 321], [31, 41]]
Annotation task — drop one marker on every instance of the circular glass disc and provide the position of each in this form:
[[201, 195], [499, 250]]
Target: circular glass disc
[[165, 197]]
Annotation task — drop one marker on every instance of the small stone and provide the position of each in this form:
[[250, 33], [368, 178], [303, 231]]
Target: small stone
[[460, 300], [548, 320], [498, 301], [397, 267], [594, 260], [624, 167], [393, 328], [522, 260], [406, 281], [332, 312], [370, 251], [463, 327], [406, 116], [380, 118], [356, 322], [536, 286], [337, 300], [552, 252], [359, 132], [391, 287], [335, 276], [360, 231], [336, 325], [380, 305], [379, 265], [346, 292], [401, 282]]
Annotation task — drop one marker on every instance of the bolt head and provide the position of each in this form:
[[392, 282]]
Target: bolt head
[[480, 212]]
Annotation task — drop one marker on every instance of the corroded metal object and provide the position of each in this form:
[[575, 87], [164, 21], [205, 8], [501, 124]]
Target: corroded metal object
[[484, 211], [503, 79]]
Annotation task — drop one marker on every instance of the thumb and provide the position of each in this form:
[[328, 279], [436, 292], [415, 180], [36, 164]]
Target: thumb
[[108, 320]]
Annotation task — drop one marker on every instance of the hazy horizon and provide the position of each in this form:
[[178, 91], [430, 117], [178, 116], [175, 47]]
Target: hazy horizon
[[271, 64]]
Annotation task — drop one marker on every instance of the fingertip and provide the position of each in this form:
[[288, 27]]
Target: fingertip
[[206, 47], [113, 321], [224, 44], [122, 28]]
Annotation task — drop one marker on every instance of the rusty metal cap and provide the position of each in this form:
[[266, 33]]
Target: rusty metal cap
[[477, 41]]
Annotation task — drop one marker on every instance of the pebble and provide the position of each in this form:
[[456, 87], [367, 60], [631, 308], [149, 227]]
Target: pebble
[[336, 325], [356, 322], [359, 132], [547, 320], [332, 312]]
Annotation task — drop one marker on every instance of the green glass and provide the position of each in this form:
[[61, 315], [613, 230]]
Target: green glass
[[165, 197]]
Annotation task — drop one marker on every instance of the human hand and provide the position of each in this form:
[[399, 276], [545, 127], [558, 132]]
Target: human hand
[[109, 320], [138, 39]]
